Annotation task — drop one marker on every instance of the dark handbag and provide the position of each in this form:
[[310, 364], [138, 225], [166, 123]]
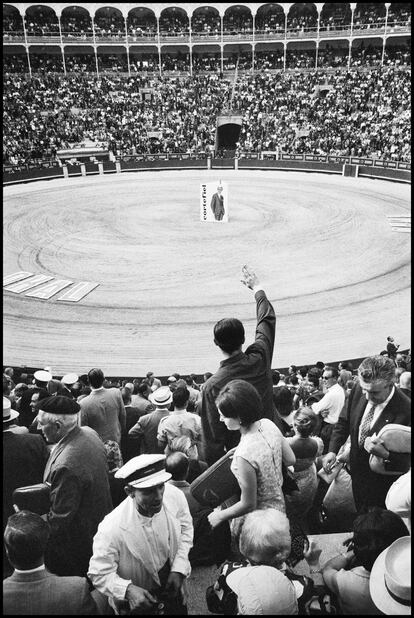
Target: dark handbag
[[217, 484], [34, 498]]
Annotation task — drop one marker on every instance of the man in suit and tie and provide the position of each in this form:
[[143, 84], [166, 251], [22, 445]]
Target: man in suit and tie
[[373, 402], [79, 493], [32, 590], [217, 204]]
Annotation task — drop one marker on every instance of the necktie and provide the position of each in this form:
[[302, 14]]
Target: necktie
[[366, 424]]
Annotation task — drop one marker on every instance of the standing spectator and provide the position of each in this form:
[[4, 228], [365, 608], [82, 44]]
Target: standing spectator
[[24, 459], [373, 402], [132, 414], [17, 394], [32, 590], [9, 373], [179, 423], [103, 409], [392, 347], [398, 498], [253, 365], [306, 448], [194, 394], [283, 400], [140, 399], [41, 380], [145, 430], [79, 493], [152, 381], [331, 404], [348, 574], [140, 550], [257, 460], [67, 382]]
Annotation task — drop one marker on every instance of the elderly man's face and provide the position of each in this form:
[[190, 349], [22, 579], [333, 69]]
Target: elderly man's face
[[50, 429], [376, 391], [148, 501]]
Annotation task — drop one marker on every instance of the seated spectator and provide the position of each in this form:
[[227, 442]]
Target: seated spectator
[[390, 581], [265, 543], [347, 575], [306, 448], [31, 589], [309, 386], [180, 423], [145, 430]]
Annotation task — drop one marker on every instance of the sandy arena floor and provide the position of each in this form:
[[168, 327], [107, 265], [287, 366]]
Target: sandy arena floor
[[336, 272]]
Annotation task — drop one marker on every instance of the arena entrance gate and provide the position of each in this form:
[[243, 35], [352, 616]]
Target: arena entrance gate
[[227, 134]]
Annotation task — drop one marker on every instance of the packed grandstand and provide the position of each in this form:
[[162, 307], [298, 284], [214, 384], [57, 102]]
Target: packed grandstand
[[327, 80]]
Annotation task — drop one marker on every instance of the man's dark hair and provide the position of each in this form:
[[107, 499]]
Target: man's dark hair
[[283, 400], [374, 531], [207, 375], [96, 378], [6, 386], [177, 465], [334, 372], [320, 365], [346, 365], [126, 395], [189, 380], [303, 371], [313, 376], [229, 334], [143, 388], [26, 536], [275, 377], [180, 396]]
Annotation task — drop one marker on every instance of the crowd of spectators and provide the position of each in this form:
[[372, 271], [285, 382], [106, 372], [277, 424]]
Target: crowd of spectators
[[358, 114], [299, 464]]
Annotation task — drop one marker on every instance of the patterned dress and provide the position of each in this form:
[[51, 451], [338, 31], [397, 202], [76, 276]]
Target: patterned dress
[[262, 449]]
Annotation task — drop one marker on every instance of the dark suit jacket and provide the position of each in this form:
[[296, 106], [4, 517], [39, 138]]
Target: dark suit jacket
[[80, 499], [368, 487], [217, 206], [254, 366], [24, 460], [43, 594]]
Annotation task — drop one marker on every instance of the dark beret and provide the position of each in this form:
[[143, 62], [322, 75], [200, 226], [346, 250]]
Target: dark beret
[[57, 404]]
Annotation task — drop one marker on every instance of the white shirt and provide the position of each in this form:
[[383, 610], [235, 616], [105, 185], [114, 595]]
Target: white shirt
[[331, 403], [398, 498], [377, 412]]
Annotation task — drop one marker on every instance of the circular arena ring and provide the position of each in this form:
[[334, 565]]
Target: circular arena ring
[[326, 248]]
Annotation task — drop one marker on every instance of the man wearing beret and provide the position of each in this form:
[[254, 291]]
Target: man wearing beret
[[140, 552], [79, 493]]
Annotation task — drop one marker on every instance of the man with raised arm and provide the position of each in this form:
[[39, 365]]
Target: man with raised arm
[[253, 365]]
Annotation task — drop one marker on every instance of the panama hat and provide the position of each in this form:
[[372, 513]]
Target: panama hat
[[144, 471], [263, 590], [8, 413], [161, 397], [390, 581]]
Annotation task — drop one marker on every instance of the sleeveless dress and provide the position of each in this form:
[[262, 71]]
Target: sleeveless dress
[[299, 503], [262, 449]]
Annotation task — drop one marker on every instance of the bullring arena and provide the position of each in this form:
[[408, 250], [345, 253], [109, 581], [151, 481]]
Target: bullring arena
[[330, 251]]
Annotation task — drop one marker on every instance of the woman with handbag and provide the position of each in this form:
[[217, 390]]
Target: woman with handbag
[[257, 460]]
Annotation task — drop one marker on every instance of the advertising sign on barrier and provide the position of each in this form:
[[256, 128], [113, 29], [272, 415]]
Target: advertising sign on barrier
[[315, 158], [214, 203], [337, 159]]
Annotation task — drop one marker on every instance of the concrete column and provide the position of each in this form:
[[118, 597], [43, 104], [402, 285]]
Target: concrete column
[[83, 169], [118, 167], [65, 171], [100, 167]]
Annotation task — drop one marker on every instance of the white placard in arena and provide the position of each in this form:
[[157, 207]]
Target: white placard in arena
[[214, 202]]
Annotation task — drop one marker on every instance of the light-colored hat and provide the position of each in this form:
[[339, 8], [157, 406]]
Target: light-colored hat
[[8, 413], [129, 386], [172, 379], [390, 580], [263, 590], [42, 376], [69, 379], [144, 471], [161, 397]]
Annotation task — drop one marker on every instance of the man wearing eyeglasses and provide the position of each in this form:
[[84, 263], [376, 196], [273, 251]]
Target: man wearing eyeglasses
[[331, 404]]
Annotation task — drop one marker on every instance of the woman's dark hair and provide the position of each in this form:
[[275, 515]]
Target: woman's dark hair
[[307, 426], [283, 400], [239, 399], [374, 531]]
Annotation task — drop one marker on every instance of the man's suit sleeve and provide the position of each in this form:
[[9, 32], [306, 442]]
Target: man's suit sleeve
[[65, 497], [265, 327], [213, 431], [342, 427], [121, 413]]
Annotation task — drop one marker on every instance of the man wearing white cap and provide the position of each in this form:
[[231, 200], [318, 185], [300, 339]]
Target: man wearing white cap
[[67, 381], [140, 552]]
